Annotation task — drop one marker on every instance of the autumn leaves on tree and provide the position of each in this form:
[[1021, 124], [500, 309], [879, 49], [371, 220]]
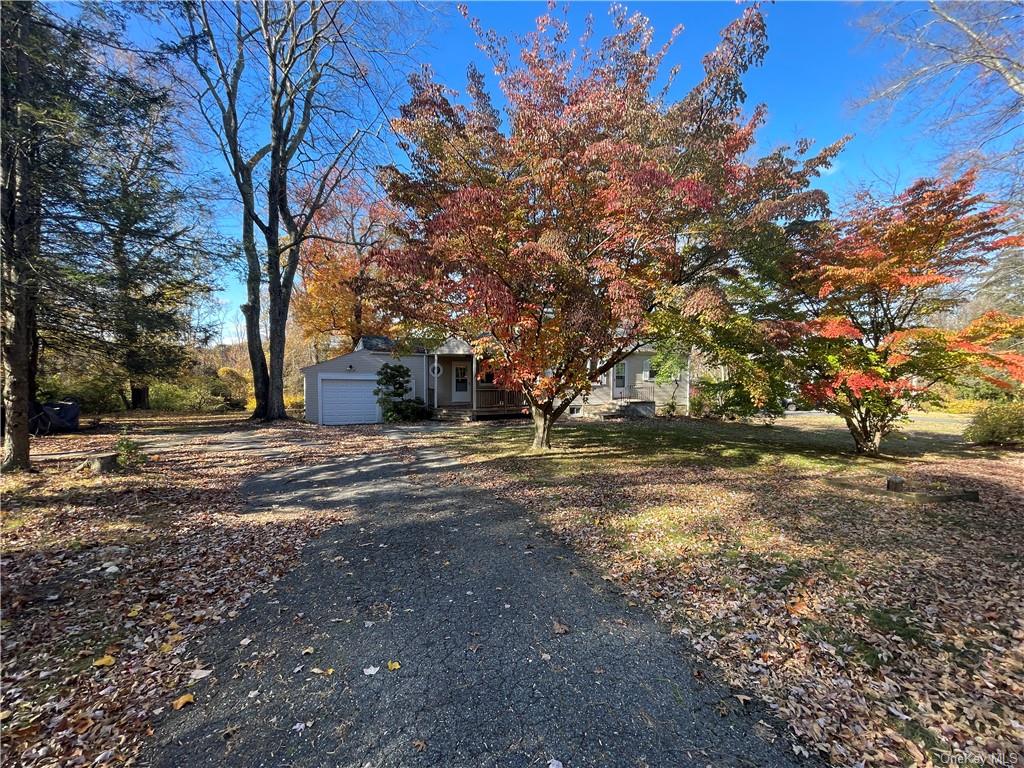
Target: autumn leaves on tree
[[873, 291], [548, 238]]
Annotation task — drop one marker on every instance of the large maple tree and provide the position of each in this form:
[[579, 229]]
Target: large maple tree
[[874, 289], [547, 235]]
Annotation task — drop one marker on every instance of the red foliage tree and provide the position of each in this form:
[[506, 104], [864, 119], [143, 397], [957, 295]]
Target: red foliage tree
[[547, 239], [875, 288]]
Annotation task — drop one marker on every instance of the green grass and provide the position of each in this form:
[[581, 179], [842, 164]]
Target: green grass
[[815, 442]]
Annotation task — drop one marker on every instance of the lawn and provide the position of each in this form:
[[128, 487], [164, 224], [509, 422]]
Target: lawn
[[885, 632]]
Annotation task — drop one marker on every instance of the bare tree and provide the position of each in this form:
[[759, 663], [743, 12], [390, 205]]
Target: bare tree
[[292, 91], [962, 67]]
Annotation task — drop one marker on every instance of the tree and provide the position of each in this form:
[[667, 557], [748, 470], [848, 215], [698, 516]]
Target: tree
[[962, 66], [281, 89], [151, 256], [52, 104], [549, 243], [870, 288], [340, 293]]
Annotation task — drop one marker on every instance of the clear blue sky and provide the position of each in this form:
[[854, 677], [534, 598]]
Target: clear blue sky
[[818, 65]]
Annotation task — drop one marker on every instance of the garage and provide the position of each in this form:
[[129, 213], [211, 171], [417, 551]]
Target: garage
[[348, 401]]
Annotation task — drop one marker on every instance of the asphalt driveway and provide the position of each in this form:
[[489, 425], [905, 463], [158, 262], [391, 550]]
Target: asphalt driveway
[[504, 649]]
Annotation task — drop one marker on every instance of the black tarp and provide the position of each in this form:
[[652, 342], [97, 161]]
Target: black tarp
[[58, 416]]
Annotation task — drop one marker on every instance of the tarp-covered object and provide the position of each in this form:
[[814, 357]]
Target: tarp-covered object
[[60, 416]]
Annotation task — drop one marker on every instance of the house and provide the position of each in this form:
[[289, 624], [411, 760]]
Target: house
[[446, 378]]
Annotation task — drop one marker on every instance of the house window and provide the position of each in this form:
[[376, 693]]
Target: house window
[[650, 370], [574, 410], [461, 378], [620, 375]]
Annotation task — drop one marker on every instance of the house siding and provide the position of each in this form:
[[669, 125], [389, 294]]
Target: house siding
[[601, 393], [362, 362]]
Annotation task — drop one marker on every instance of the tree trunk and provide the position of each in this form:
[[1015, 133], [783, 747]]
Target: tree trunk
[[867, 439], [543, 421], [251, 313], [275, 392], [140, 397], [20, 221]]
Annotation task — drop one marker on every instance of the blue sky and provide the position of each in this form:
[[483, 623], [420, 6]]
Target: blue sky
[[819, 65]]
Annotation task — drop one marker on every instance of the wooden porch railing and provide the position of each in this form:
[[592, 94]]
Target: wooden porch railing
[[499, 398]]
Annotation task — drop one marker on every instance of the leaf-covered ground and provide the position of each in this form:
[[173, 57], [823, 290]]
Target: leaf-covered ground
[[884, 632], [109, 580]]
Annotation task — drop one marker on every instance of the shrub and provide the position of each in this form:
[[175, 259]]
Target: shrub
[[294, 402], [392, 391], [198, 393], [238, 384], [997, 424], [96, 394], [129, 452]]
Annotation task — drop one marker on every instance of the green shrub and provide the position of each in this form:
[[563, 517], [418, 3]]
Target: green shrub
[[195, 394], [96, 394], [997, 424], [392, 391], [129, 453]]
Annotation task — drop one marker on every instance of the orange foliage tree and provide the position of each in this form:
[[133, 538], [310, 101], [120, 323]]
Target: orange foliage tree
[[874, 289], [339, 298]]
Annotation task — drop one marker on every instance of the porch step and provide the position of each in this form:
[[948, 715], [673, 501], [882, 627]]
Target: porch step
[[618, 409], [452, 414]]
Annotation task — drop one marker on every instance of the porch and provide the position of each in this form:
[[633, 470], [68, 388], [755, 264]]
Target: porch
[[454, 390]]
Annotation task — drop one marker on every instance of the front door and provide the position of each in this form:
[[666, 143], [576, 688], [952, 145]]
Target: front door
[[460, 384], [619, 381]]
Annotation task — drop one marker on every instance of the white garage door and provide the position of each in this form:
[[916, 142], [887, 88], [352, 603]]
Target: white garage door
[[348, 401]]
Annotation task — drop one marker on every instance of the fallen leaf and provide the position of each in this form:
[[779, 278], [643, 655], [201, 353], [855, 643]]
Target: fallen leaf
[[181, 701], [393, 665], [371, 670], [199, 674], [245, 641], [104, 661], [419, 745], [560, 628], [552, 763], [307, 651]]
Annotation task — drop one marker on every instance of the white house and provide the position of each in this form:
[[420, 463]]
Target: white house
[[340, 390]]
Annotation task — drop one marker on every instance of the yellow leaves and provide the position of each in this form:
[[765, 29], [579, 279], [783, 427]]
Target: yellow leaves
[[325, 672], [307, 651], [393, 666], [184, 700], [104, 661], [135, 611], [166, 648]]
